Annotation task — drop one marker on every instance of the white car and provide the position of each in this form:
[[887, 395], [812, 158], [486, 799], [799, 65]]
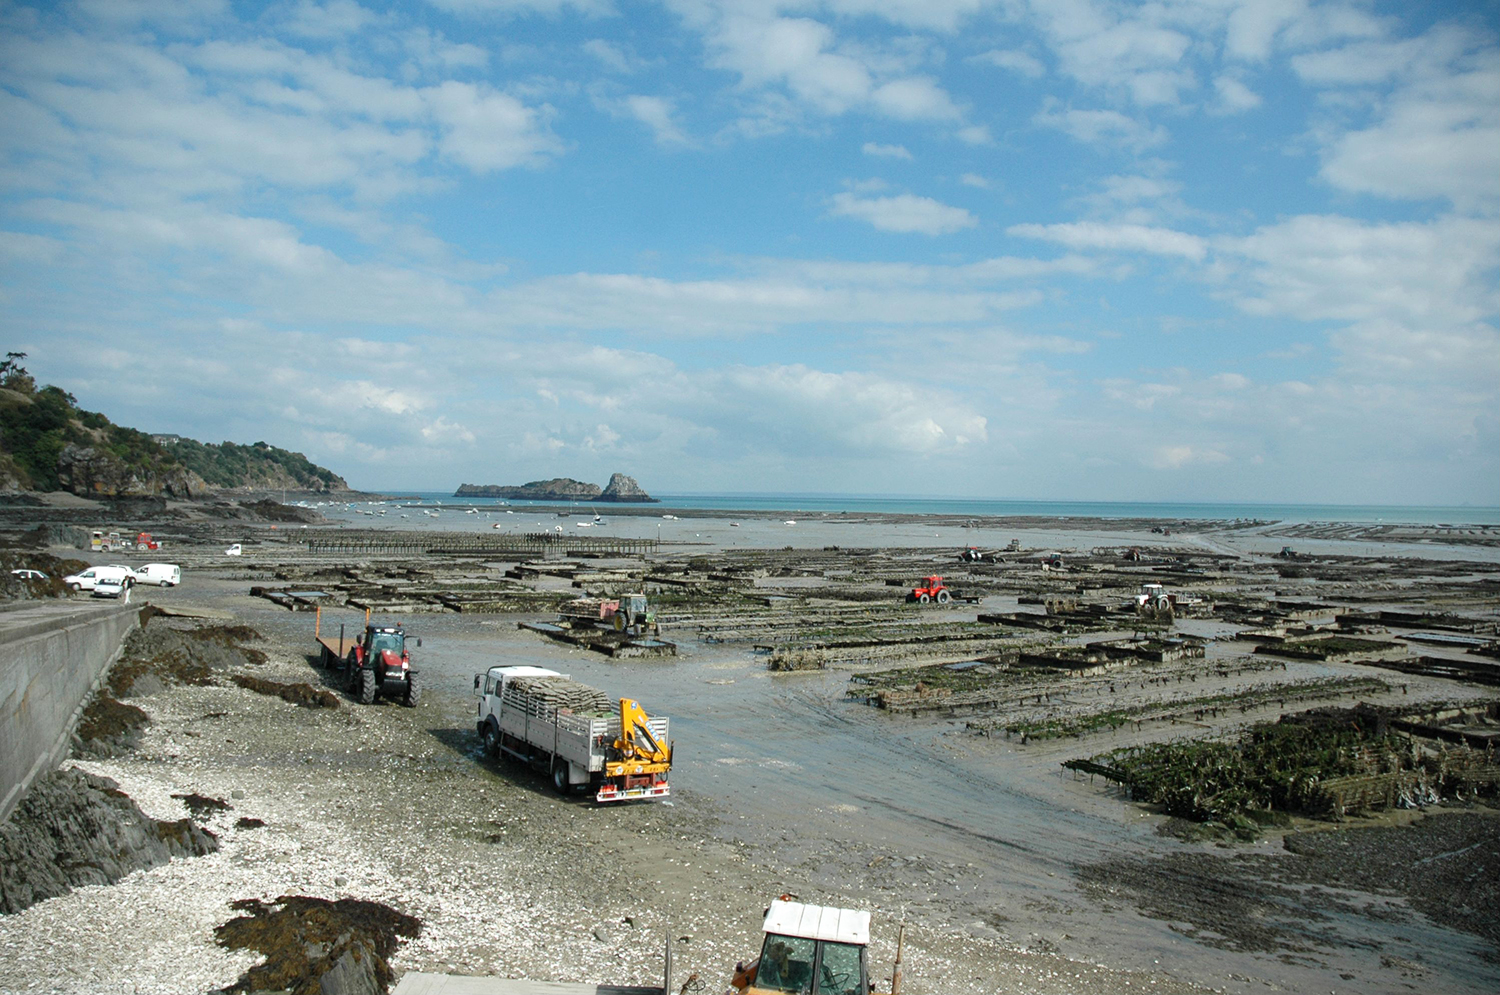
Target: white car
[[110, 587], [24, 574], [90, 578], [235, 550]]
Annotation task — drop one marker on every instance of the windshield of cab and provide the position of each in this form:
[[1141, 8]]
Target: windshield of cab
[[381, 641], [839, 970], [789, 964], [785, 964]]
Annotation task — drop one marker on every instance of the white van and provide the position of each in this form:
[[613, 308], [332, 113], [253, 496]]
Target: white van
[[86, 580], [160, 574]]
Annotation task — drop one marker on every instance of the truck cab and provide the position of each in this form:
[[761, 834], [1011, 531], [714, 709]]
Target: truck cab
[[809, 950]]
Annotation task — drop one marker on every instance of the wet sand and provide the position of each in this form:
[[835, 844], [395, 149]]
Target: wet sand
[[1009, 873]]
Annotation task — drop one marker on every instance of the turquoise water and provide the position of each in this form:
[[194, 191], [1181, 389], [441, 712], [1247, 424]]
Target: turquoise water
[[854, 503]]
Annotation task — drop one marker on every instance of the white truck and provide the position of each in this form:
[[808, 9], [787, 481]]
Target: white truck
[[574, 732]]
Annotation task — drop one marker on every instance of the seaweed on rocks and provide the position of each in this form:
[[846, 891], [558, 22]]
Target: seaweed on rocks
[[202, 805], [108, 728], [314, 946], [74, 828], [157, 656], [303, 695]]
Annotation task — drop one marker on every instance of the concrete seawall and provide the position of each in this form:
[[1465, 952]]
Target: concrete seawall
[[51, 657]]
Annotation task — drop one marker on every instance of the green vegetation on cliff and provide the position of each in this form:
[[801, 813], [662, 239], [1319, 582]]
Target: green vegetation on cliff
[[259, 466], [48, 443], [38, 424]]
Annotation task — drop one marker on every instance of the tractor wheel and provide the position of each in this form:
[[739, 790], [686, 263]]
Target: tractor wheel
[[412, 696], [491, 740], [560, 777], [351, 673], [618, 621], [943, 597], [923, 598], [366, 686]]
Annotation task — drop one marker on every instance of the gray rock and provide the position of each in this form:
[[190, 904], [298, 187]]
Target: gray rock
[[73, 829]]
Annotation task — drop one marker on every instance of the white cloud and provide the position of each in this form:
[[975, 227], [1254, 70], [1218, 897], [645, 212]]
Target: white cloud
[[1104, 127], [1418, 299], [549, 8], [656, 113], [858, 411], [974, 180], [608, 53], [903, 213], [1438, 139], [1016, 61], [485, 130], [805, 57], [333, 19], [1253, 26], [1117, 237], [1235, 96], [975, 134], [442, 431], [914, 98], [1179, 456], [886, 151]]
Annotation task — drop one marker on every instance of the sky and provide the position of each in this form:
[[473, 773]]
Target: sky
[[1195, 250]]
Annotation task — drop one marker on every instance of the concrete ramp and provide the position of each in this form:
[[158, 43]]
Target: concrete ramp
[[419, 983]]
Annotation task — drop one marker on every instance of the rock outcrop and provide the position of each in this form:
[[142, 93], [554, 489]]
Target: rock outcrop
[[91, 472], [311, 944], [621, 489], [73, 829]]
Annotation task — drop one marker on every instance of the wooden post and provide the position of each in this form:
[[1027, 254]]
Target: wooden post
[[317, 622], [896, 974]]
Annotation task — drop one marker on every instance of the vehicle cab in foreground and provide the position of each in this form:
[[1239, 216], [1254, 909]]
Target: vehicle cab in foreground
[[808, 950]]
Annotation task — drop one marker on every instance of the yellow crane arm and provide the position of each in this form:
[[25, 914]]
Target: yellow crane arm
[[640, 752]]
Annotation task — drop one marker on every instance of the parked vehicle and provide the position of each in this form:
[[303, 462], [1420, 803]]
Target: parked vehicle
[[26, 574], [88, 579], [577, 733], [160, 574], [110, 587], [144, 542], [235, 550]]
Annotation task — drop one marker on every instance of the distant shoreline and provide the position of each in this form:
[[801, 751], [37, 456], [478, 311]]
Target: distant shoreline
[[835, 505]]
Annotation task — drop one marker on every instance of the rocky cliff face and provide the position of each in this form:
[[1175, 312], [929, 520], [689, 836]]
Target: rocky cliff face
[[92, 472], [621, 488]]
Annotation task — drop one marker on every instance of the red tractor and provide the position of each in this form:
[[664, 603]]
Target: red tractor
[[379, 664], [931, 589]]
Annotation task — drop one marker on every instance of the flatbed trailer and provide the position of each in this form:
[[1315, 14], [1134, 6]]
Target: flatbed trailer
[[336, 650]]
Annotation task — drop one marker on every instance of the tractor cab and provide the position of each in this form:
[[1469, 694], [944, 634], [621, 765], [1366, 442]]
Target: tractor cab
[[386, 644], [809, 950]]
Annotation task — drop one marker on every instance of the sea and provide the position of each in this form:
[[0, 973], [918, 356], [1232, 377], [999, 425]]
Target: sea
[[793, 503]]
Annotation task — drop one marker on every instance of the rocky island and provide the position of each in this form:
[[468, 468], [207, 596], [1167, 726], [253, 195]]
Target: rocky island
[[620, 489]]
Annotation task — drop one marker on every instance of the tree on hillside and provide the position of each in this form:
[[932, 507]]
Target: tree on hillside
[[13, 375]]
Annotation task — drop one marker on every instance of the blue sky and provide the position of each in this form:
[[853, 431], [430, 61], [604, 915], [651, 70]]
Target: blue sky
[[1185, 250]]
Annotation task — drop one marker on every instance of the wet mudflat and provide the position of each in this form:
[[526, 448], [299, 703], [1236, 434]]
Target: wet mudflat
[[997, 858]]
